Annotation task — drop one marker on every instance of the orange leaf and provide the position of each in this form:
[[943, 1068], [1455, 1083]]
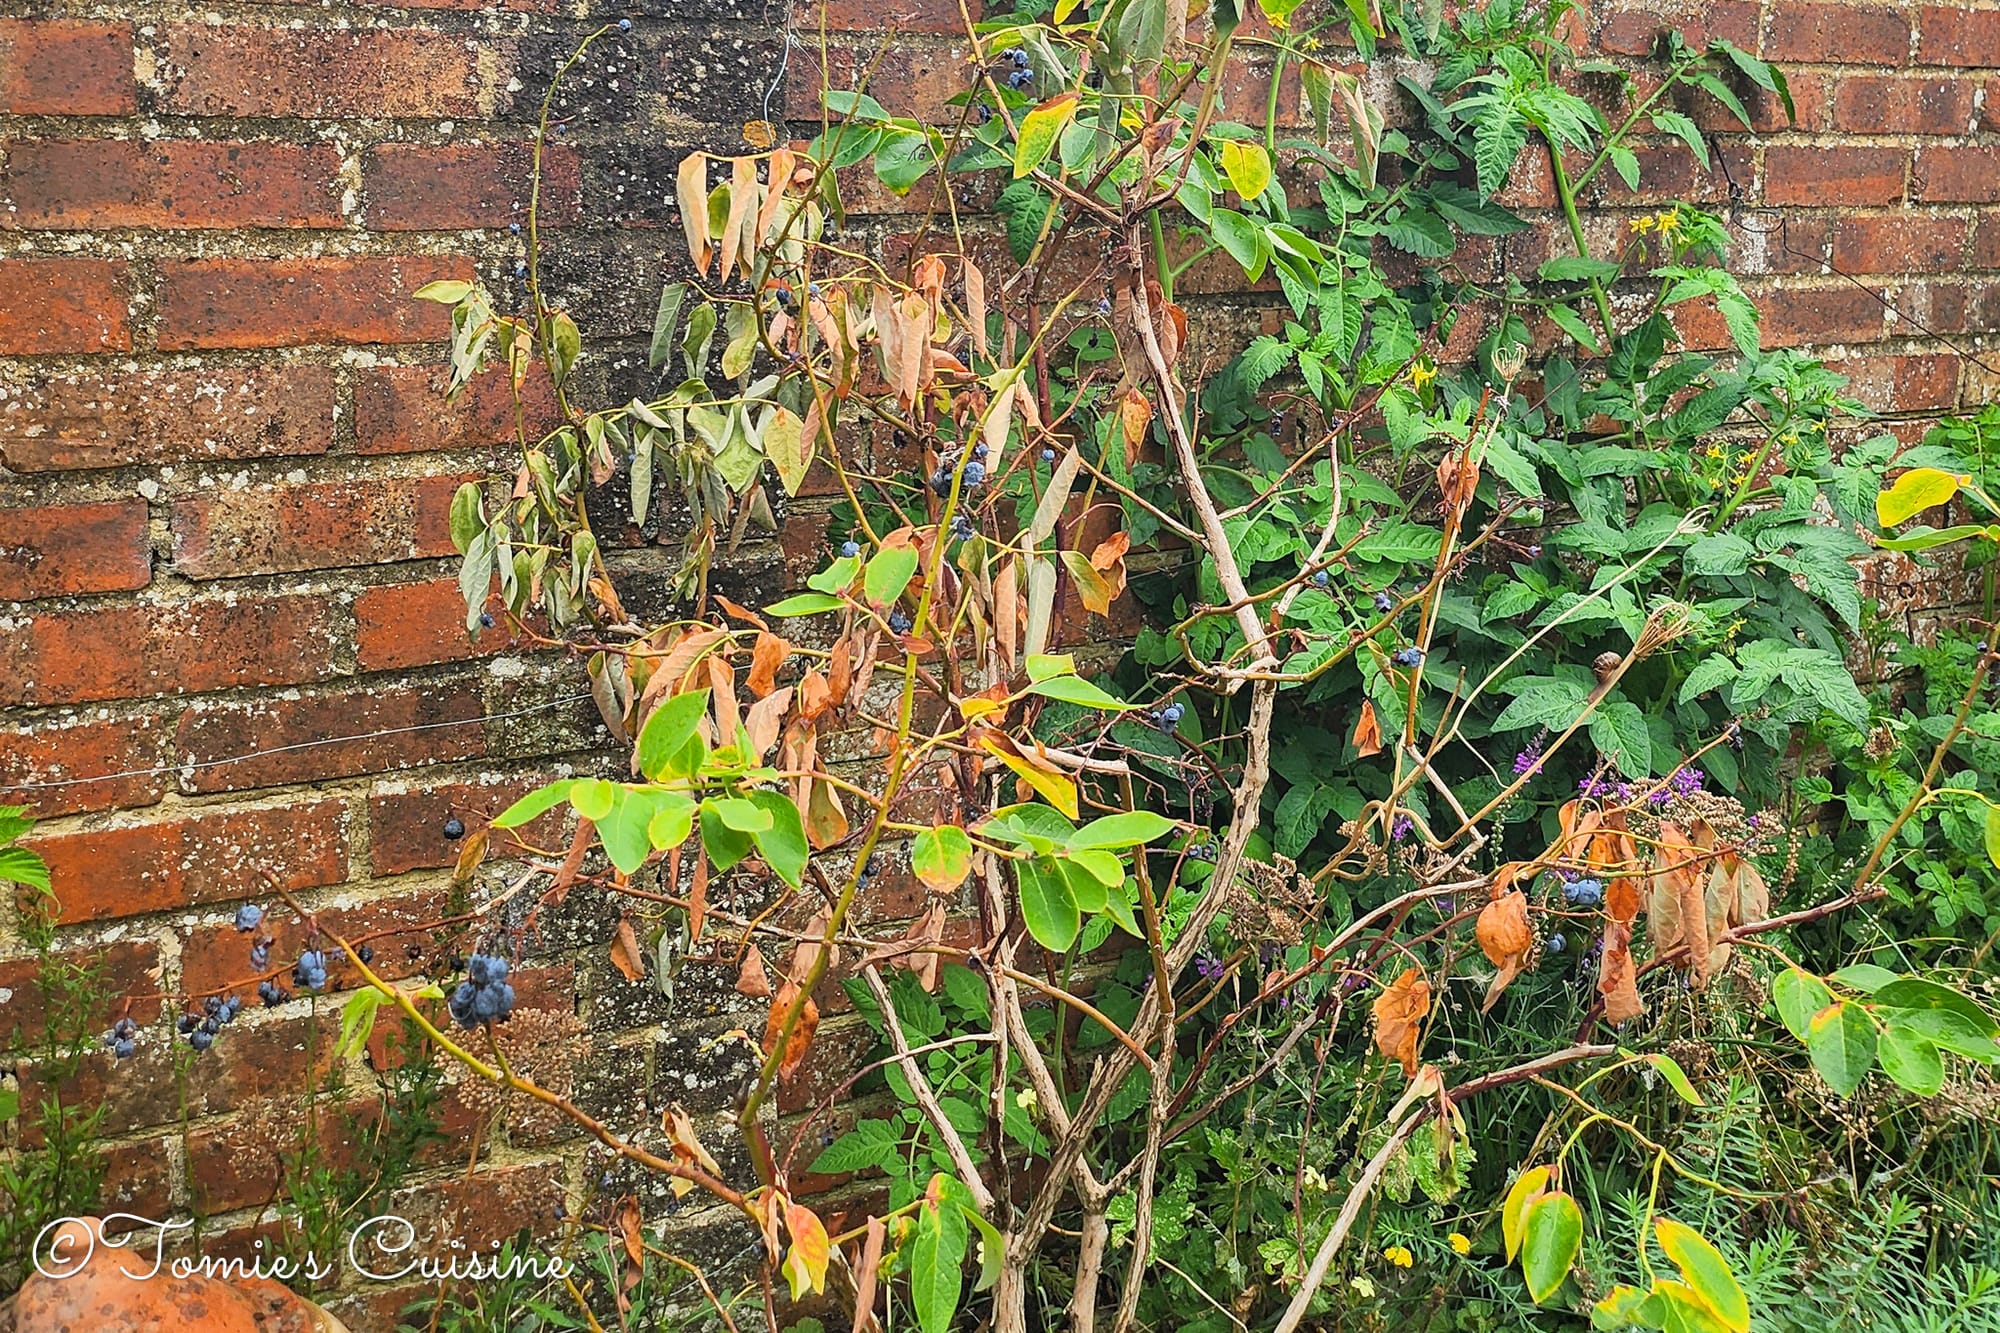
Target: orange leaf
[[691, 192], [697, 891], [722, 679], [629, 1223], [975, 305], [752, 978], [1108, 559], [739, 611], [764, 721], [765, 659], [826, 820], [868, 1274], [1400, 1011], [1617, 979], [1458, 479], [625, 955], [1367, 731], [1622, 900], [840, 671], [1507, 940], [802, 1031], [815, 696], [1135, 413], [779, 175], [806, 1260]]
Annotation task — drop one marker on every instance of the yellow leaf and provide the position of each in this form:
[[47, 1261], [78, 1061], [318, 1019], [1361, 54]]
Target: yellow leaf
[[1247, 165], [1531, 1186], [788, 448], [1038, 132], [1915, 491], [1707, 1273], [691, 193], [1055, 788], [806, 1260]]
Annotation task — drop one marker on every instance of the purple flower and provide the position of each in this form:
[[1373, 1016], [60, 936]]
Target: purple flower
[[1208, 969], [1529, 761], [1401, 828], [1686, 781]]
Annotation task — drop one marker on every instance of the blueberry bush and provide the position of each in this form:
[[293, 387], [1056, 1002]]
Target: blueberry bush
[[1403, 842]]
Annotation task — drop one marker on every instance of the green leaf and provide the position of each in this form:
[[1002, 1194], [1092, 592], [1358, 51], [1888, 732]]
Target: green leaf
[[672, 821], [1916, 993], [533, 804], [1075, 690], [1676, 1078], [782, 845], [724, 845], [1577, 268], [664, 321], [592, 797], [1421, 232], [357, 1021], [941, 857], [805, 604], [1799, 995], [21, 866], [1705, 1271], [1242, 239], [1572, 323], [1915, 491], [1626, 163], [1674, 123], [1618, 727], [871, 1143], [445, 291], [937, 1256], [1719, 553], [785, 444], [667, 730], [1130, 829], [1038, 132], [888, 574], [1551, 1237], [1865, 977], [1247, 165], [1048, 907], [1841, 1040], [1911, 1060], [466, 519], [624, 830]]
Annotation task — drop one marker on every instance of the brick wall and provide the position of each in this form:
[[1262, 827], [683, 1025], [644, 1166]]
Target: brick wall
[[226, 468]]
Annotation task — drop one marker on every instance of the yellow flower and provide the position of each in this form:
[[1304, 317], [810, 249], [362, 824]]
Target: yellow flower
[[1314, 1180], [1421, 375], [1670, 220], [1399, 1255], [1362, 1286], [1716, 451], [1026, 1099], [1642, 225], [1460, 1242]]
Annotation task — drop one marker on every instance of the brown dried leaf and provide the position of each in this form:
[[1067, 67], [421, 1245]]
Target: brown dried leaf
[[826, 821], [1007, 612], [777, 178], [802, 1031], [752, 978], [1108, 559], [1458, 479], [625, 955], [975, 305], [691, 194], [765, 659], [765, 719], [815, 696], [743, 613], [1135, 413], [1622, 899], [1618, 978], [722, 683], [629, 1223], [1367, 731], [470, 853], [840, 671], [742, 205], [913, 340], [687, 1146], [866, 1275], [1507, 939], [1400, 1011]]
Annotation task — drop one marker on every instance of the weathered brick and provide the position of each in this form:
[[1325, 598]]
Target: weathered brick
[[62, 550], [168, 647], [1960, 36], [282, 739], [63, 305], [402, 409], [215, 956], [1634, 30], [280, 526], [1886, 104], [1952, 305], [1840, 34], [1889, 382], [60, 765], [121, 967], [1898, 243], [53, 67], [89, 420], [415, 624], [213, 856], [298, 302], [167, 183], [417, 187], [1986, 244], [406, 820], [886, 16], [1956, 174], [1795, 316], [239, 70], [1817, 174]]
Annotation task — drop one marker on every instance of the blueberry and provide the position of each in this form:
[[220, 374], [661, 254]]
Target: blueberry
[[186, 1024], [520, 270], [201, 1041], [514, 227], [460, 1004], [260, 956], [454, 828], [210, 1026], [248, 916], [1554, 944], [310, 970], [1319, 578], [1048, 455], [848, 550], [268, 992], [212, 1005], [1408, 657], [366, 953], [1103, 305], [899, 623], [126, 1049], [1172, 714], [1020, 79], [1017, 54], [975, 473], [981, 113], [812, 291], [979, 450], [784, 295], [486, 620], [624, 25], [941, 481], [479, 969]]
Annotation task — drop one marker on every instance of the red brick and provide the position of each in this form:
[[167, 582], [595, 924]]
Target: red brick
[[880, 17], [1815, 174], [478, 1212], [306, 730], [121, 966], [298, 302], [406, 823], [137, 1180], [415, 187], [1634, 30], [168, 647], [63, 305], [1899, 243], [215, 956], [57, 68], [279, 526], [78, 753], [210, 857], [416, 624], [1892, 383], [1959, 36], [1957, 174], [1839, 34], [73, 184], [87, 420], [1952, 305], [906, 79], [238, 70], [1986, 244], [1885, 104], [63, 550], [401, 409], [1795, 317]]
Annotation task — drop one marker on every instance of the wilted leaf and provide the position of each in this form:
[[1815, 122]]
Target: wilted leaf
[[1529, 1186], [1618, 977], [789, 448], [1400, 1011], [765, 659], [630, 1233], [752, 977], [625, 954], [941, 857], [1135, 412], [687, 1147], [1367, 731], [1038, 132], [802, 1031], [806, 1260], [1913, 492], [691, 194], [1507, 939], [1108, 559], [1054, 786], [826, 820]]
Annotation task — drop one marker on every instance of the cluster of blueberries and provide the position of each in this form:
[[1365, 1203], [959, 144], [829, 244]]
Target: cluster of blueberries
[[123, 1039], [1166, 719], [1407, 657], [1023, 73], [484, 996], [974, 474], [1578, 893], [217, 1011], [1204, 851]]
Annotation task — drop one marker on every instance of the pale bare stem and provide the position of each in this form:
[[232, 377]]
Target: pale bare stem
[[1089, 1268], [920, 1088]]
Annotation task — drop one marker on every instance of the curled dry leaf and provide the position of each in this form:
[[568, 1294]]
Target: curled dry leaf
[[840, 671], [802, 1031], [1135, 413], [752, 978], [826, 819], [691, 194], [738, 610], [1458, 479], [1618, 977], [1108, 559], [625, 954], [629, 1226], [975, 305], [1400, 1011], [815, 696], [765, 720], [765, 659], [687, 1147], [811, 1249], [1367, 731], [1507, 939]]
